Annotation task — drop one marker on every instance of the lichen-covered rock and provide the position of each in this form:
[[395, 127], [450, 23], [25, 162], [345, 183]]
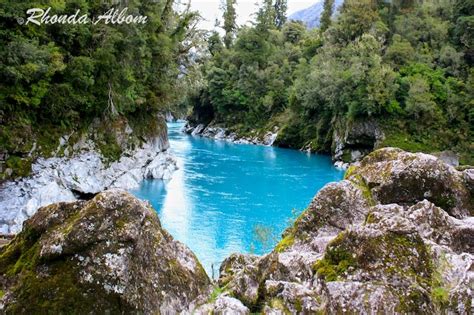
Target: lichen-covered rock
[[106, 255], [233, 265], [223, 305], [395, 176], [394, 237]]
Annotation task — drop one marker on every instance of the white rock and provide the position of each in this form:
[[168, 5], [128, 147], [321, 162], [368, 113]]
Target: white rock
[[58, 179]]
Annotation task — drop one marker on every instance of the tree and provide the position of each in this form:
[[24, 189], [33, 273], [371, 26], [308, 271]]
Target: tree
[[420, 102], [280, 13], [326, 15], [405, 64], [266, 16], [64, 76], [214, 43], [230, 25], [400, 52]]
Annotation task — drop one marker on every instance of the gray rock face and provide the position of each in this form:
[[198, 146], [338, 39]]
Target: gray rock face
[[63, 179], [223, 305], [106, 255], [394, 176], [354, 140], [219, 133], [372, 243]]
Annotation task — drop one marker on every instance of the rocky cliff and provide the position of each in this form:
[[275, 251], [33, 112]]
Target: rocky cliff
[[108, 255], [110, 154], [396, 236]]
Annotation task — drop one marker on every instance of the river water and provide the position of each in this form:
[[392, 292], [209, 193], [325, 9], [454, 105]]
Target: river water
[[227, 198]]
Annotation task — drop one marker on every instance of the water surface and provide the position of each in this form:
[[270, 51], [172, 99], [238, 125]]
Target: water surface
[[224, 192]]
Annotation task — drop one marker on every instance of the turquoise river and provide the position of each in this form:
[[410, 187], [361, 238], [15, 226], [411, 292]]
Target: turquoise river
[[227, 197]]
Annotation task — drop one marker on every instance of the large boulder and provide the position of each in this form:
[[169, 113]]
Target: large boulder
[[395, 176], [107, 255], [395, 237]]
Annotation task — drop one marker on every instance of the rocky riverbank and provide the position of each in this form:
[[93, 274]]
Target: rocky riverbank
[[220, 133], [396, 236], [83, 172], [350, 143]]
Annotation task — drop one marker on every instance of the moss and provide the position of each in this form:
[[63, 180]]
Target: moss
[[215, 293], [298, 305], [407, 142], [350, 171], [54, 290], [411, 301], [27, 260], [346, 156], [279, 305], [444, 201], [48, 140], [110, 149], [20, 254], [60, 292], [391, 253], [464, 167], [336, 260], [439, 292], [286, 242], [370, 218], [21, 166], [399, 255], [440, 295], [360, 183]]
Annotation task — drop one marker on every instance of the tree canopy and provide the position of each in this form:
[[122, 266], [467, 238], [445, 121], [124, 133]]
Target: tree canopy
[[406, 64]]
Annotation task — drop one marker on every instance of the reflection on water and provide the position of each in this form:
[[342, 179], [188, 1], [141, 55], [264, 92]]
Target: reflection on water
[[222, 190]]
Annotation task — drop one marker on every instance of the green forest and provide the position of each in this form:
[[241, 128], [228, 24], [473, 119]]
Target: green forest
[[57, 78], [405, 64]]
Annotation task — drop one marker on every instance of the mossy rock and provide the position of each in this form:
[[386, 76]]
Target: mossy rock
[[385, 258], [108, 254], [395, 176]]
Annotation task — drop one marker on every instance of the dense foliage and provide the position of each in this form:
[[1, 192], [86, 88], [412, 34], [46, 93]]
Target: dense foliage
[[56, 78], [405, 64]]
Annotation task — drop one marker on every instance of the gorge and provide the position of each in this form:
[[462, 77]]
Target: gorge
[[227, 197], [322, 170], [394, 237]]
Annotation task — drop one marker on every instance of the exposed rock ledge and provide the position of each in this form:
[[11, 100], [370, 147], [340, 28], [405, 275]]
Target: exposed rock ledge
[[220, 133], [396, 236], [83, 174]]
